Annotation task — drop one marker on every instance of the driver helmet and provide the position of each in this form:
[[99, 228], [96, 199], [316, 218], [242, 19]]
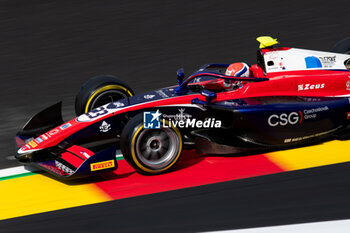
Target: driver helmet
[[238, 69]]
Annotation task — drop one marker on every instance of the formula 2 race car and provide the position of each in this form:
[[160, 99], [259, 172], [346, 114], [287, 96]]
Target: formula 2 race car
[[293, 97]]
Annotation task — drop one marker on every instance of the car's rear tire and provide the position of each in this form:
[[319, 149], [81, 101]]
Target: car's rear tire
[[100, 90], [150, 151], [342, 46]]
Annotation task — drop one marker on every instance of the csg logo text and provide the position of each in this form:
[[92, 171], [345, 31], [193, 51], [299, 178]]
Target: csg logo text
[[285, 119]]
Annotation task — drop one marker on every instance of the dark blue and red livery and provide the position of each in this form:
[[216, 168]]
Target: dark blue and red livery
[[294, 97]]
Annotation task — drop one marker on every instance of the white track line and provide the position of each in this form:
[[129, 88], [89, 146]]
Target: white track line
[[16, 171], [118, 154], [28, 169], [337, 226]]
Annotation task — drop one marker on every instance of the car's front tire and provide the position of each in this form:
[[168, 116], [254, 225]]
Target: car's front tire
[[100, 90], [150, 151]]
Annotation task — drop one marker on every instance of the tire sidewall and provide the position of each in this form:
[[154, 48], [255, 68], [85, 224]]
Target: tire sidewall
[[342, 46], [128, 139], [92, 86]]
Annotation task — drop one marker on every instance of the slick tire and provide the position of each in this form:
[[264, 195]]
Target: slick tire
[[100, 90], [150, 151], [342, 46]]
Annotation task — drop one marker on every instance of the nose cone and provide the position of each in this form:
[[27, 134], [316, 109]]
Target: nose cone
[[30, 146], [24, 154], [25, 150]]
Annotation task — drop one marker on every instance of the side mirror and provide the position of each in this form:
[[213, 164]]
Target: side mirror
[[209, 96], [180, 75]]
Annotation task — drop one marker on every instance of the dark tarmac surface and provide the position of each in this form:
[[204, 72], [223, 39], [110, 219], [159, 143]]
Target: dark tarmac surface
[[49, 48]]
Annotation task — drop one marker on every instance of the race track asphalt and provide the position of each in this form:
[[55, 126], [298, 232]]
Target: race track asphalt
[[49, 48]]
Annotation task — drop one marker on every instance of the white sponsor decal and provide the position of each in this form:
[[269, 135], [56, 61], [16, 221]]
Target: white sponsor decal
[[230, 103], [308, 86], [197, 80], [312, 113], [162, 93], [105, 127], [314, 110], [118, 104], [348, 85], [85, 154], [294, 117], [64, 168], [288, 140], [149, 96], [100, 112], [308, 99], [53, 132], [283, 119], [65, 126]]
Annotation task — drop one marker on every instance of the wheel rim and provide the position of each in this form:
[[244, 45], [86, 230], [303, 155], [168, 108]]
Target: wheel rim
[[157, 148], [107, 97]]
